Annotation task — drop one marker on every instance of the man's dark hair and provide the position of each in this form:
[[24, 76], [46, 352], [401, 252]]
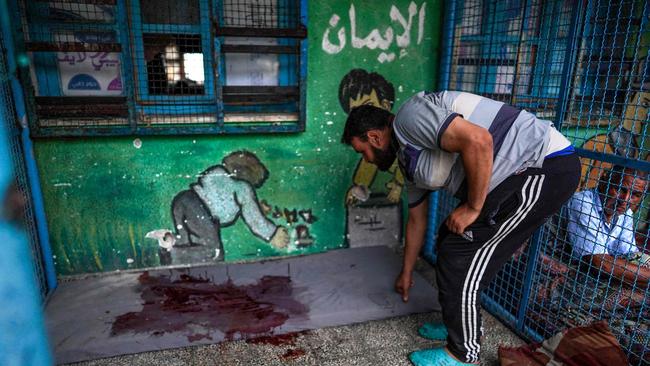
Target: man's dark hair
[[359, 82], [615, 175], [363, 119]]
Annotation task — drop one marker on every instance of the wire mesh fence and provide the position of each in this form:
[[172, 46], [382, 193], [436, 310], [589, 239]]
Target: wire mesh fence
[[17, 201], [165, 67], [583, 65], [261, 14]]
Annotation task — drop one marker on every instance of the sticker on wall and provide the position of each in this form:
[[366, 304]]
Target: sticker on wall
[[89, 73], [375, 39], [373, 218], [222, 195]]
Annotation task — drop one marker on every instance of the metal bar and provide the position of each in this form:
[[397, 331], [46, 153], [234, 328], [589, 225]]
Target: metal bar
[[250, 95], [485, 62], [248, 99], [79, 100], [73, 24], [89, 2], [30, 161], [68, 107], [219, 59], [254, 89], [614, 159], [128, 69], [302, 71], [212, 129], [170, 28], [260, 117], [220, 79], [524, 10], [531, 263], [300, 32], [570, 57], [429, 249], [72, 47], [534, 241], [447, 48], [447, 45], [237, 48]]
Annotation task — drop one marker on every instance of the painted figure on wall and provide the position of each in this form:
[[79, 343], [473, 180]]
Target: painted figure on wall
[[359, 87], [372, 219], [222, 194]]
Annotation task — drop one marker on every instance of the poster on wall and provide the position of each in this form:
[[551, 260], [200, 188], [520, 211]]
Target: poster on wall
[[89, 73]]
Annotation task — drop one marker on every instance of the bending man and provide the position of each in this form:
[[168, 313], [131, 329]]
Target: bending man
[[510, 171]]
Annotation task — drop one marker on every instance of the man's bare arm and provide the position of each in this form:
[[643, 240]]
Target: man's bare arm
[[474, 144], [621, 269], [416, 227]]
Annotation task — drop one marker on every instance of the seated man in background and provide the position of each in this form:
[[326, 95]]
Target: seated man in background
[[601, 227]]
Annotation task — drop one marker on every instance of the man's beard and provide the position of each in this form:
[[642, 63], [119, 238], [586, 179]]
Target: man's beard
[[384, 158]]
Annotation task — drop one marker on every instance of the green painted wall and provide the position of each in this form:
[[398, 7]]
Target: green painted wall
[[103, 195]]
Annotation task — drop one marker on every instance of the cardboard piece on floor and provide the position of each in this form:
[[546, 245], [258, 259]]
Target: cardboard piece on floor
[[127, 313]]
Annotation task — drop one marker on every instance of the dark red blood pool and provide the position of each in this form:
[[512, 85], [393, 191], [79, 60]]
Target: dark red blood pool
[[197, 307]]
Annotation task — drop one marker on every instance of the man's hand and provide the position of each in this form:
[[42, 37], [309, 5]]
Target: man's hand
[[462, 217], [403, 284], [280, 239]]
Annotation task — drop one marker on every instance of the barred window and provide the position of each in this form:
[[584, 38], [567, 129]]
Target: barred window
[[103, 67]]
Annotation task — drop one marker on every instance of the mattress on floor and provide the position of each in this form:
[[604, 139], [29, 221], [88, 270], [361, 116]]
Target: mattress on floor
[[118, 314]]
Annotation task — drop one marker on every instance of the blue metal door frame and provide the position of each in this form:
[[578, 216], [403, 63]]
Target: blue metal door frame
[[30, 161]]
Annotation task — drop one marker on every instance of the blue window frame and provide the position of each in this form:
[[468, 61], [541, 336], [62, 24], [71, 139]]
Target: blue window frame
[[197, 66]]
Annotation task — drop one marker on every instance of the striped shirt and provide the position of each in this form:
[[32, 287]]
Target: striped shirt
[[520, 140]]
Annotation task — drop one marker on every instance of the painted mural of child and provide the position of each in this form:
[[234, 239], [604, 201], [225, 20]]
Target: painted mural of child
[[359, 87], [222, 194]]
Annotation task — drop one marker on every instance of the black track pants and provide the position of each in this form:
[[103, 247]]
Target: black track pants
[[467, 263]]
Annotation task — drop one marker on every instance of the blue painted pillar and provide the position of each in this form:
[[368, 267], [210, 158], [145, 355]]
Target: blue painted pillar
[[30, 162], [23, 339]]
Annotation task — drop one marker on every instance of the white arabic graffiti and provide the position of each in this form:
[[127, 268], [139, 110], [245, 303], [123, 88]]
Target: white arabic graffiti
[[375, 39]]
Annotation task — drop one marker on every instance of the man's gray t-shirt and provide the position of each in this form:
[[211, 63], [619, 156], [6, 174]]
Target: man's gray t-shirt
[[520, 140]]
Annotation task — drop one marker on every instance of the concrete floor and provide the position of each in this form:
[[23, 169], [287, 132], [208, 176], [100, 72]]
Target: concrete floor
[[384, 342]]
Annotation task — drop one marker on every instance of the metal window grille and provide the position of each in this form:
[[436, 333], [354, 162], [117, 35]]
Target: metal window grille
[[108, 67], [25, 216], [585, 66]]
